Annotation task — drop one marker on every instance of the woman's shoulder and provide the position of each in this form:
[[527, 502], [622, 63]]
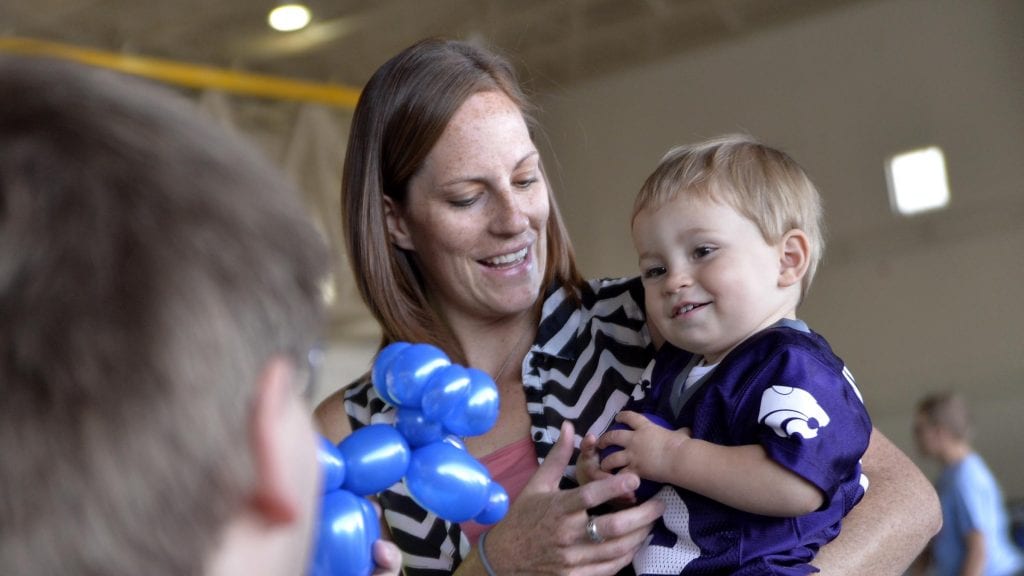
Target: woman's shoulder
[[610, 287], [352, 405], [606, 297], [595, 292], [330, 417], [613, 307]]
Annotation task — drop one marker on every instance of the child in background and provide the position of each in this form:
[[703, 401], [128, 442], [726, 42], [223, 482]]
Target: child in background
[[975, 534], [762, 461]]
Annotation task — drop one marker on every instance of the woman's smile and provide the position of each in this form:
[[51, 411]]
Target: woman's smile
[[506, 261]]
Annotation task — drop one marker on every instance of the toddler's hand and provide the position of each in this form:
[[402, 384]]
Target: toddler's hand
[[641, 445]]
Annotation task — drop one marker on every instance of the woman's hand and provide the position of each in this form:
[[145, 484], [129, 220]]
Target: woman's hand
[[546, 529], [387, 557], [588, 469], [588, 463]]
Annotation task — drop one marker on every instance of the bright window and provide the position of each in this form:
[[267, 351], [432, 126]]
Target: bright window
[[917, 181]]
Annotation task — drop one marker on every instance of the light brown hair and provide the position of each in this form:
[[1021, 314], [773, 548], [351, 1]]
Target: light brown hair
[[762, 183], [401, 114], [150, 266], [948, 411]]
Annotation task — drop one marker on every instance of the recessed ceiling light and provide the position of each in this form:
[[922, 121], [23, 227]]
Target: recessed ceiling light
[[289, 17], [917, 181]]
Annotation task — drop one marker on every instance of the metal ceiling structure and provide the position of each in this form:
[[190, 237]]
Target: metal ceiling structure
[[552, 42]]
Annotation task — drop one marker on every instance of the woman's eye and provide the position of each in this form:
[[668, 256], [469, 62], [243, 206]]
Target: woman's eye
[[463, 202], [653, 271], [525, 183]]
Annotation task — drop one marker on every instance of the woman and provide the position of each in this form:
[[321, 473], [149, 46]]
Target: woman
[[455, 239]]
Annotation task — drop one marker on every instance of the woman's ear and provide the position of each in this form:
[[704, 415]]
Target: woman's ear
[[794, 257], [398, 229]]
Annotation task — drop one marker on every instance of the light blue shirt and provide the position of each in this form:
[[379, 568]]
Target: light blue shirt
[[972, 501]]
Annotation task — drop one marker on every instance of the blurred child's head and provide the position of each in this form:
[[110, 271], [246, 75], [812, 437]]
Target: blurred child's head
[[941, 418], [152, 266]]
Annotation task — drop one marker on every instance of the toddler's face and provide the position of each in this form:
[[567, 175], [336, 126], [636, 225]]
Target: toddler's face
[[710, 277]]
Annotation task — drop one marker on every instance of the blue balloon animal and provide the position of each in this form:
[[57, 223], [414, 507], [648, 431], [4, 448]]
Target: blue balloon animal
[[436, 404]]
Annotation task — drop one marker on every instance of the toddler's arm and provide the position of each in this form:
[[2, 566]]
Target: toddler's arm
[[742, 477]]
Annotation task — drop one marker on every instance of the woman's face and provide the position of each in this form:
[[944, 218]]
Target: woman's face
[[476, 213]]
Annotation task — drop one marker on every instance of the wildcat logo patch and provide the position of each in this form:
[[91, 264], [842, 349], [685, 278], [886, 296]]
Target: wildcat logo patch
[[791, 412]]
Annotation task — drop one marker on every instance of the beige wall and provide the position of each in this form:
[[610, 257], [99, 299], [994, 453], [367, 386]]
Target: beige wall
[[912, 305]]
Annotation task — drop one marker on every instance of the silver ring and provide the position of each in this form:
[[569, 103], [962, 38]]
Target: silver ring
[[592, 532]]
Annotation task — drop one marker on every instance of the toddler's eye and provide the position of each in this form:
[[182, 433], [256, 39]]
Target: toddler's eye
[[653, 271], [702, 251]]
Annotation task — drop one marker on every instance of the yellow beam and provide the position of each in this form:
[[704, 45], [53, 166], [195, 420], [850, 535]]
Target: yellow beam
[[190, 75]]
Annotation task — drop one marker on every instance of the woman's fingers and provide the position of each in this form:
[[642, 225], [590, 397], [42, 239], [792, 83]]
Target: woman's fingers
[[387, 557], [546, 528], [588, 463], [620, 535], [600, 491], [629, 524], [588, 445], [549, 474]]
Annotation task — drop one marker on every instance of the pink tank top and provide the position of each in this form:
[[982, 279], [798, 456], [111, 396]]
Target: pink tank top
[[511, 466]]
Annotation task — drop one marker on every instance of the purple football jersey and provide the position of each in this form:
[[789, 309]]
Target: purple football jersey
[[784, 389]]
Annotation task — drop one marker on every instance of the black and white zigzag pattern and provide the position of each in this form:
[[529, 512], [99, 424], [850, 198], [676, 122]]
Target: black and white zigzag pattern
[[584, 366]]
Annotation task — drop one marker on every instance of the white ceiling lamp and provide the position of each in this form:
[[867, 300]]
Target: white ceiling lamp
[[917, 181], [288, 17]]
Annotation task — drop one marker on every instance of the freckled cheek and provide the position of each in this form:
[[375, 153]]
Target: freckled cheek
[[457, 238], [539, 209]]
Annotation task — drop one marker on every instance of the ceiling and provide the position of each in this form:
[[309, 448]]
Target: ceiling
[[552, 42]]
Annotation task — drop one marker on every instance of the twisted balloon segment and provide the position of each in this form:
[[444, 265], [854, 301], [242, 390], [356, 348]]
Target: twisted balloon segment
[[437, 403]]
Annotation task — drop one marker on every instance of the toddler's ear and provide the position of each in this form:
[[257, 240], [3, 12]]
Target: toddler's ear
[[794, 257]]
